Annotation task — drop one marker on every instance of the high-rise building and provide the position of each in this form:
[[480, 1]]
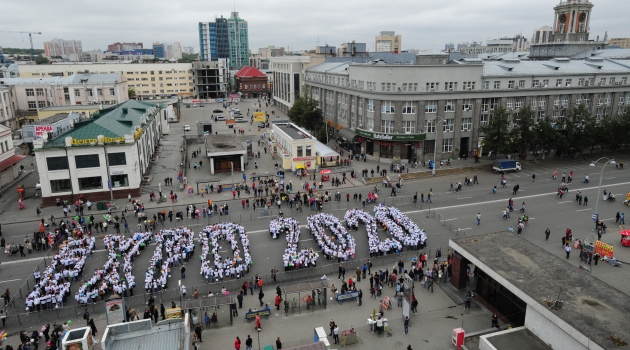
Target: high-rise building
[[239, 41], [120, 47], [388, 41], [60, 47], [542, 35], [189, 50], [214, 42], [167, 51]]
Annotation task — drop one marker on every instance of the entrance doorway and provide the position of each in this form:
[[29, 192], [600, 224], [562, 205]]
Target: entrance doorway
[[463, 147], [406, 152]]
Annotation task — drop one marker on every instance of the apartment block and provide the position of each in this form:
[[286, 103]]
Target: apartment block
[[61, 47]]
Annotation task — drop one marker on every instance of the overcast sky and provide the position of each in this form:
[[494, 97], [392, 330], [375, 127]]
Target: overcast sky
[[294, 24]]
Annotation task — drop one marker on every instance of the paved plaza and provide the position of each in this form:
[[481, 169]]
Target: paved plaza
[[449, 215]]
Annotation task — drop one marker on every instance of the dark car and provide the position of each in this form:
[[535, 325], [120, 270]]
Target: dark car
[[217, 111]]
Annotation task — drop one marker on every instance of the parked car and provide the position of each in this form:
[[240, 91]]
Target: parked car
[[262, 125], [186, 127], [201, 105], [217, 111], [221, 117], [188, 105]]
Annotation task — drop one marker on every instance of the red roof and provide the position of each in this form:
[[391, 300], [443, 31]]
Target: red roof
[[249, 72], [10, 161]]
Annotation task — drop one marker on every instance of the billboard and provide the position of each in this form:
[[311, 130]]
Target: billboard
[[260, 117], [40, 130], [115, 310]]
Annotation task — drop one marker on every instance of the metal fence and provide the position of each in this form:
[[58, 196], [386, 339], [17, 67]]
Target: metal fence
[[445, 222]]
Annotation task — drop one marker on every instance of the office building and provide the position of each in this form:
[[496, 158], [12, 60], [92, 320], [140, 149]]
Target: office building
[[189, 50], [401, 112], [239, 41], [388, 41], [622, 43], [149, 80], [211, 79], [352, 49], [214, 42], [571, 30], [492, 46], [104, 157], [60, 47], [119, 47], [261, 60], [288, 78], [167, 51], [8, 158], [542, 35]]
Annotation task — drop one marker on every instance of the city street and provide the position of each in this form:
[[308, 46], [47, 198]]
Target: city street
[[450, 214]]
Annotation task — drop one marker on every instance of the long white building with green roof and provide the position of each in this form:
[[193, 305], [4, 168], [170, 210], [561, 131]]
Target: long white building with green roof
[[104, 157]]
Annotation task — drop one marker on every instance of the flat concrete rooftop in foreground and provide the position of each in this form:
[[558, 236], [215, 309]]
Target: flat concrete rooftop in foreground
[[516, 339], [597, 310], [223, 143]]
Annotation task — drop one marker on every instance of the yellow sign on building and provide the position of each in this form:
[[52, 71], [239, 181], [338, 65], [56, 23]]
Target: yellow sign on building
[[260, 117]]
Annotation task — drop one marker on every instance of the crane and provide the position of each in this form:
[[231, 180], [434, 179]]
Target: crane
[[30, 37]]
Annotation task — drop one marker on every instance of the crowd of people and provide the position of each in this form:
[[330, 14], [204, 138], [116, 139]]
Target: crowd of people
[[235, 267], [52, 286], [377, 246], [293, 257], [400, 227], [340, 245], [179, 246]]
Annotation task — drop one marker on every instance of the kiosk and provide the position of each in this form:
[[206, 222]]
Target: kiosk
[[78, 339]]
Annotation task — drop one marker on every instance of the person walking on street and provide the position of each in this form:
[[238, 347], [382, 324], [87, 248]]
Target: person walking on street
[[567, 248], [198, 332], [332, 325], [533, 177], [478, 218], [429, 197], [495, 320], [278, 344], [336, 334], [93, 327], [261, 295], [406, 324], [547, 233], [622, 219], [249, 342], [360, 296], [237, 344], [467, 302]]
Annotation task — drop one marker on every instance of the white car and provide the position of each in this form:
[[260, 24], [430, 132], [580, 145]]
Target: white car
[[186, 127], [221, 117]]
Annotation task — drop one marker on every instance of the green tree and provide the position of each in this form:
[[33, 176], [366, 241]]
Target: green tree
[[131, 93], [523, 134], [39, 59], [306, 114], [575, 128], [17, 51], [497, 134], [186, 58], [547, 135]]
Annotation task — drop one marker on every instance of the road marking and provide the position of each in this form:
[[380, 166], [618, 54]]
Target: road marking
[[565, 202], [583, 209], [464, 197], [608, 178], [464, 229], [503, 200], [449, 219], [17, 279]]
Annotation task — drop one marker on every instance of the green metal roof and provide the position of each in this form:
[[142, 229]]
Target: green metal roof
[[115, 121]]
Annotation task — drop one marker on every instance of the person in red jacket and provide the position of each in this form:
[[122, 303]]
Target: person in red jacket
[[277, 303], [237, 344]]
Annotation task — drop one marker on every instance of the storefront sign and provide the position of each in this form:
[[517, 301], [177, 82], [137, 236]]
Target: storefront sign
[[390, 137], [40, 130], [604, 249], [91, 141], [260, 117], [137, 134], [299, 159]]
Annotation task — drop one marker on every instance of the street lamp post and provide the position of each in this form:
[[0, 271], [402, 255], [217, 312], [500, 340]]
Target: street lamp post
[[599, 190]]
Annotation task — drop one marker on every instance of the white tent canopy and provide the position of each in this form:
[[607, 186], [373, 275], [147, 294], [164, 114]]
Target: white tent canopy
[[325, 151]]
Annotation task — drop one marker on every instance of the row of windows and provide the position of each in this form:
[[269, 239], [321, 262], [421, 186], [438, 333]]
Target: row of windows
[[88, 183], [536, 83], [85, 161]]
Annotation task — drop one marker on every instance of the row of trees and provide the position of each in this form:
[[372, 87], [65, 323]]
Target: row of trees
[[306, 114], [578, 132]]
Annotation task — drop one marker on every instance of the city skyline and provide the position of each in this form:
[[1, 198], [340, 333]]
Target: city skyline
[[423, 26]]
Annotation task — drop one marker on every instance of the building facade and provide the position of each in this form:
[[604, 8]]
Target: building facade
[[118, 46], [211, 79], [29, 95], [8, 158], [251, 82], [7, 114], [288, 73], [388, 41], [542, 35], [149, 80], [214, 42], [167, 51], [239, 41], [102, 158], [622, 43], [60, 47], [398, 112]]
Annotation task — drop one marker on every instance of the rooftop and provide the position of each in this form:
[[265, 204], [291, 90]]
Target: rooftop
[[294, 132], [115, 121], [556, 66], [83, 78], [249, 72], [592, 307], [70, 108], [223, 144], [52, 119], [520, 338], [140, 335]]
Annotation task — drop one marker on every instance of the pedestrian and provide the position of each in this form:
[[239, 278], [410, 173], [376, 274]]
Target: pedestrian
[[533, 177], [239, 297], [617, 217], [93, 327], [336, 334], [360, 297], [278, 344], [86, 317], [183, 271], [585, 200], [429, 197], [478, 218], [261, 295], [332, 325], [249, 342], [198, 332], [495, 320], [468, 300], [237, 344], [567, 248], [547, 233], [622, 219], [406, 324]]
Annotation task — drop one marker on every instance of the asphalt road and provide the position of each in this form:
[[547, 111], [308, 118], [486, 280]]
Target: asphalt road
[[455, 210]]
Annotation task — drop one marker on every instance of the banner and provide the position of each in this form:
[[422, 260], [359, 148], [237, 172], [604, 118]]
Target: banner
[[260, 117], [604, 249], [115, 311]]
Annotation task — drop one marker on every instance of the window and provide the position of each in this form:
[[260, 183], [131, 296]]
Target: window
[[450, 86], [429, 126], [486, 85], [77, 93], [431, 107], [467, 105], [41, 104], [535, 83], [120, 180], [40, 92], [521, 84], [99, 92], [300, 151], [469, 85], [433, 86], [511, 84], [360, 103], [602, 81], [409, 108], [624, 81], [387, 126], [449, 106], [545, 83], [308, 151], [87, 161], [591, 82], [581, 82], [448, 125], [32, 105], [497, 85], [447, 145], [558, 82], [370, 106], [612, 81], [118, 158], [387, 107], [57, 186], [111, 92], [30, 92], [466, 124], [90, 183], [484, 119], [567, 83], [408, 126], [57, 163], [370, 124]]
